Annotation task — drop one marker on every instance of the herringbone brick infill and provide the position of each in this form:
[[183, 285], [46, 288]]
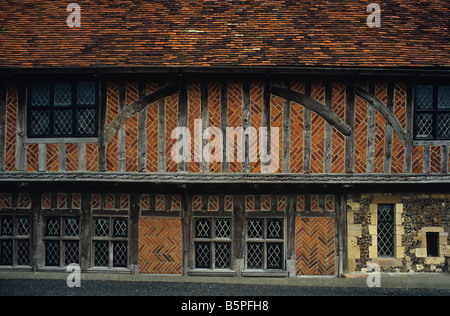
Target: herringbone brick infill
[[160, 245]]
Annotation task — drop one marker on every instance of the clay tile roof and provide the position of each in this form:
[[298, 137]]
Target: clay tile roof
[[224, 33]]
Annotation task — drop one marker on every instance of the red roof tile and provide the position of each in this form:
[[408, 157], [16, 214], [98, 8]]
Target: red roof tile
[[222, 33]]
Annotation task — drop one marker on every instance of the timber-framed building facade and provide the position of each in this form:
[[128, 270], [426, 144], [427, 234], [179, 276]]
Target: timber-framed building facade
[[230, 138]]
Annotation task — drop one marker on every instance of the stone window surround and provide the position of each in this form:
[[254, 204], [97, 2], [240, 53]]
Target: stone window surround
[[443, 247], [399, 231]]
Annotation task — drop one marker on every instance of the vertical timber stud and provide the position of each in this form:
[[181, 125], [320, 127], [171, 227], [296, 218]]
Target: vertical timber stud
[[239, 238], [224, 123], [121, 134], [371, 132], [350, 120], [102, 126], [409, 127], [389, 130], [265, 165], [340, 235], [35, 210], [2, 123], [61, 157], [21, 124], [291, 263], [186, 216], [307, 133], [183, 166], [162, 132], [134, 232], [82, 157], [85, 232], [444, 159], [328, 128], [142, 132], [286, 131], [205, 122], [246, 124]]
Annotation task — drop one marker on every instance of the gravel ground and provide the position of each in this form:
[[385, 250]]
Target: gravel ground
[[14, 287]]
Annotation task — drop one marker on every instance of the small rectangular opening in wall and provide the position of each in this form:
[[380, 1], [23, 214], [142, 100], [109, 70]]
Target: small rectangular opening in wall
[[433, 244]]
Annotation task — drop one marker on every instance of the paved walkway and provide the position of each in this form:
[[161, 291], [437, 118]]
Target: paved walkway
[[387, 280]]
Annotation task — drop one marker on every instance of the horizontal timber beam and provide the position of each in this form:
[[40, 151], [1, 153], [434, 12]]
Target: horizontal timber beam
[[177, 178]]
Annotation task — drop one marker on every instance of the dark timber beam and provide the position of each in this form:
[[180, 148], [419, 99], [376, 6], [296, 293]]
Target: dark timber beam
[[314, 105], [384, 110], [137, 106]]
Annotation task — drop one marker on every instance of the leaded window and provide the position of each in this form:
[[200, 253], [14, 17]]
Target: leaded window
[[432, 112], [62, 109], [265, 243], [212, 243], [110, 242], [385, 230], [15, 231], [62, 241]]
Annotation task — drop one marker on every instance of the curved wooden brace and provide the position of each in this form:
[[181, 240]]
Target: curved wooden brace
[[314, 105], [384, 110], [137, 106]]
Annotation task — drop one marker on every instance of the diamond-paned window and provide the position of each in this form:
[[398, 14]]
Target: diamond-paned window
[[62, 121], [255, 253], [86, 93], [62, 109], [40, 94], [443, 125], [101, 227], [62, 242], [71, 252], [444, 97], [7, 227], [203, 228], [223, 228], [110, 239], [255, 228], [385, 230], [212, 243], [120, 227], [23, 252], [15, 231], [432, 112], [274, 256], [222, 255], [40, 123], [203, 255], [101, 253], [63, 94], [86, 122], [52, 253], [72, 226], [265, 244], [120, 254]]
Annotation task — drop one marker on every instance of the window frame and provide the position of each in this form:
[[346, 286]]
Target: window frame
[[435, 111], [52, 108], [212, 240], [111, 240], [393, 233], [265, 240], [62, 238], [15, 238]]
